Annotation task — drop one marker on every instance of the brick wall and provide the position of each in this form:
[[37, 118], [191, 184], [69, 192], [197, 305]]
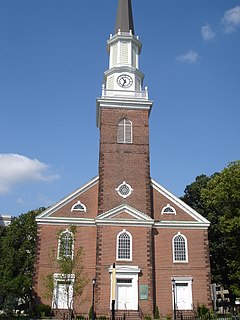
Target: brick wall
[[124, 162]]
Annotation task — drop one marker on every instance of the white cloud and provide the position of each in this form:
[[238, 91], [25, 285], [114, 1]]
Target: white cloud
[[15, 169], [189, 57], [207, 33], [231, 19]]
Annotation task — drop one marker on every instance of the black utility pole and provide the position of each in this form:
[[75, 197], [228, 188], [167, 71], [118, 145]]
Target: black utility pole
[[93, 291], [113, 290], [174, 298]]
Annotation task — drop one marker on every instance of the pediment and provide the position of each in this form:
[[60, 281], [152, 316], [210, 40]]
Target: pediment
[[84, 197], [124, 214], [183, 214]]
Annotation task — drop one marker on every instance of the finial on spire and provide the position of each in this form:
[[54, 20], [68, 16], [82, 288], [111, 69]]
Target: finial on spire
[[124, 20]]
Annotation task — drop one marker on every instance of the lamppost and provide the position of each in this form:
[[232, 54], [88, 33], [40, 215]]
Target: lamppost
[[174, 298], [93, 311]]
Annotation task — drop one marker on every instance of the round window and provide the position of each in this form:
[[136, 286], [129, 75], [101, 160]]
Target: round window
[[124, 190]]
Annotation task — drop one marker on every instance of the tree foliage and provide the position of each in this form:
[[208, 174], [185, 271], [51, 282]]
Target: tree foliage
[[17, 255], [218, 198], [70, 273]]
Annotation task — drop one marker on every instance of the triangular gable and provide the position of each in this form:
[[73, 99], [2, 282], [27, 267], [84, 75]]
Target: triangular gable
[[196, 217], [49, 213], [131, 216]]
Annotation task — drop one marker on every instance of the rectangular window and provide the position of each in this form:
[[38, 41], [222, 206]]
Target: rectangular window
[[124, 280]]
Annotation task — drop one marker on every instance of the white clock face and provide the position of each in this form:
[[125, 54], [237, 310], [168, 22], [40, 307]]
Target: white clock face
[[124, 81]]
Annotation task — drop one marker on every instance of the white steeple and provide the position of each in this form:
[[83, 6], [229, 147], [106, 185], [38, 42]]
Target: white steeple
[[123, 81]]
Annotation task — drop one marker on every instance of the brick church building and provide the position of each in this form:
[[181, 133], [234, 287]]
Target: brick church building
[[142, 245]]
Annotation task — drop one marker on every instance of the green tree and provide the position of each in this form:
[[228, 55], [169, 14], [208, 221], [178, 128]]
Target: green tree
[[218, 198], [69, 266], [17, 244], [222, 200]]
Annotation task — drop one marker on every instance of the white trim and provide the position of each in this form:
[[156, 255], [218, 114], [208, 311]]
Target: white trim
[[66, 221], [59, 243], [123, 125], [67, 199], [126, 272], [129, 102], [58, 277], [193, 213], [124, 183], [79, 210], [166, 207], [180, 225], [5, 220], [183, 280], [186, 248], [124, 231], [139, 218]]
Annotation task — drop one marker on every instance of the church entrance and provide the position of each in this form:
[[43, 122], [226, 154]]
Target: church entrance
[[126, 289]]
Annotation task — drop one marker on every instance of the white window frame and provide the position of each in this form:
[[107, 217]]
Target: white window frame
[[117, 245], [58, 278], [59, 245], [182, 280], [166, 207], [81, 204], [124, 184], [186, 248], [121, 131]]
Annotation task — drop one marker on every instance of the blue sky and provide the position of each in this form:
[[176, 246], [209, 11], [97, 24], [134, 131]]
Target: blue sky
[[52, 59]]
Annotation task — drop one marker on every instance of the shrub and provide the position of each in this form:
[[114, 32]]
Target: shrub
[[147, 317], [42, 310], [156, 313]]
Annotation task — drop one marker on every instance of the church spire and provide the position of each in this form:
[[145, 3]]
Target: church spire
[[124, 20]]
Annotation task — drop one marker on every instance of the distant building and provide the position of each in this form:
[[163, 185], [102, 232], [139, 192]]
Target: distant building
[[5, 220], [123, 217]]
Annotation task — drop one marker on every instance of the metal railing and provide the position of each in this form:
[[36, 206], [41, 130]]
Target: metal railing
[[125, 94]]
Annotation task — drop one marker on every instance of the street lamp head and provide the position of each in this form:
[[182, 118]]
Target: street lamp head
[[93, 281]]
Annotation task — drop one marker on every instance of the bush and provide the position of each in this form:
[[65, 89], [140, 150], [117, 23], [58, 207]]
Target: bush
[[90, 314], [147, 317], [202, 311], [42, 310], [156, 313]]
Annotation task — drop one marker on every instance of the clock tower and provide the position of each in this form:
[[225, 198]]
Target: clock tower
[[122, 117]]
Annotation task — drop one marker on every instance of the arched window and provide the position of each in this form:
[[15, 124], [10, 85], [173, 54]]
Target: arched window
[[124, 246], [168, 209], [180, 252], [65, 245], [124, 133], [79, 206]]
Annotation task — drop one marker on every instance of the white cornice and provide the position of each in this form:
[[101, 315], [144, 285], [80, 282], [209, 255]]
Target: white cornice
[[181, 204], [67, 199], [124, 68], [124, 37], [181, 225], [66, 221], [122, 103]]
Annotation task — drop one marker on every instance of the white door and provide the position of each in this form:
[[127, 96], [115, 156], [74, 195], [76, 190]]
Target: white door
[[64, 295], [183, 296], [125, 298]]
